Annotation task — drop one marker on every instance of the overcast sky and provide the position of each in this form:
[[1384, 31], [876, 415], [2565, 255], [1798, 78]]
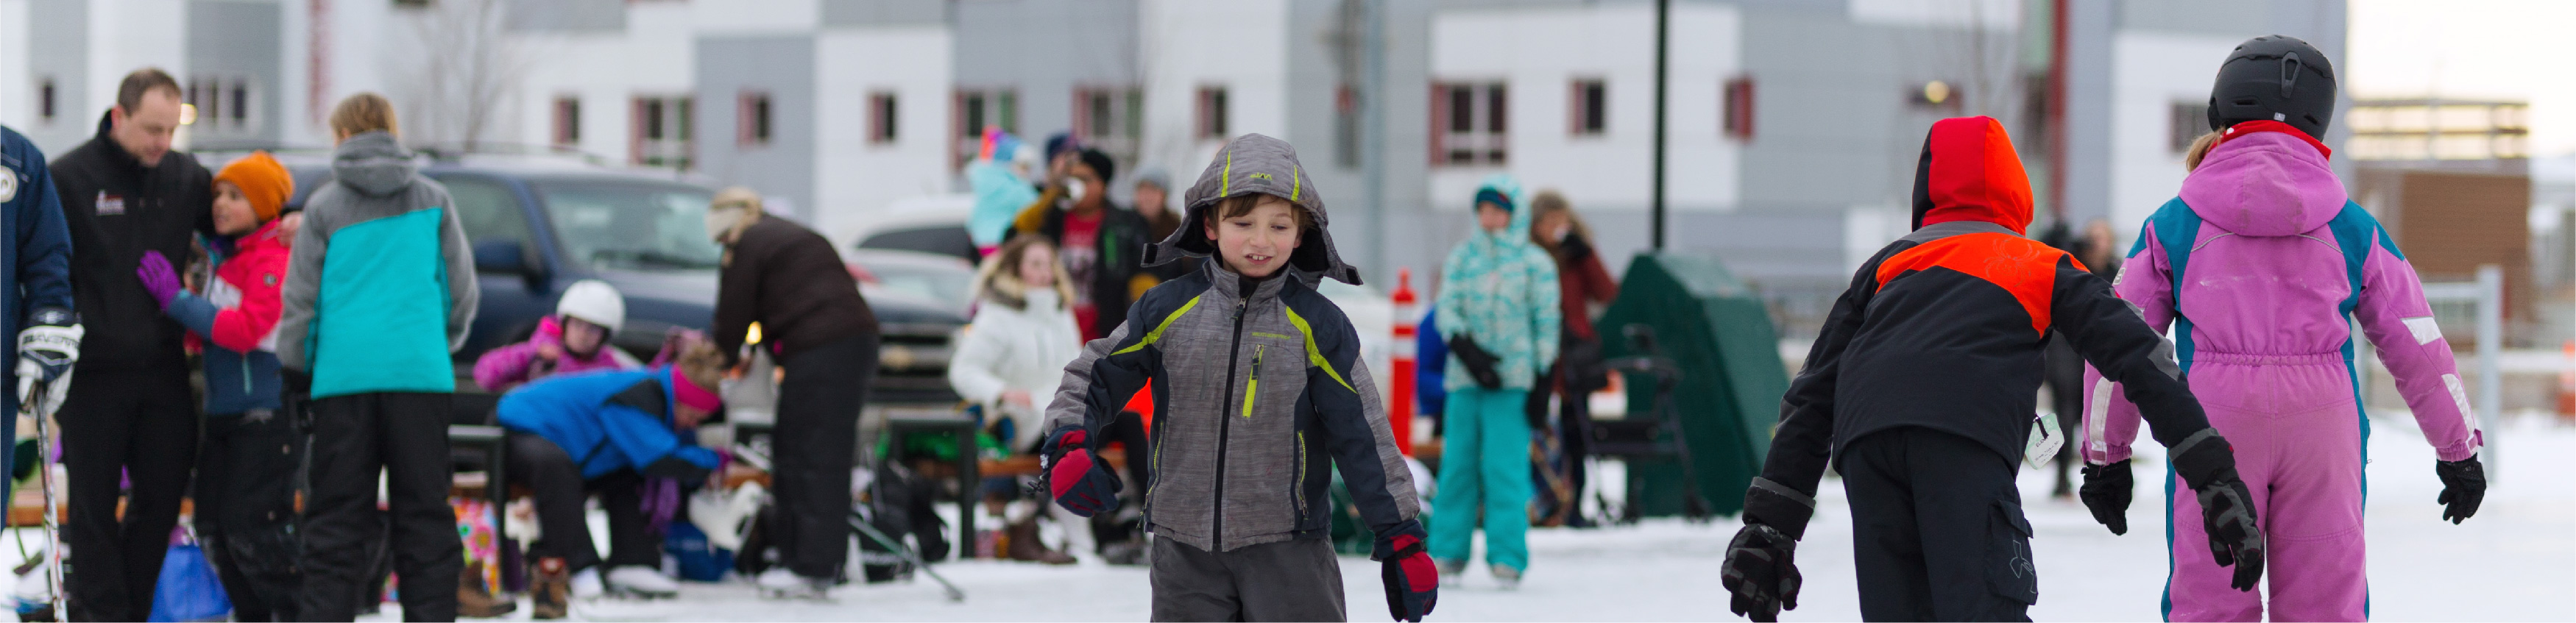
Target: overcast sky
[[2501, 49]]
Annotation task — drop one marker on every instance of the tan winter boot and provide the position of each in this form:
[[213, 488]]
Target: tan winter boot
[[475, 600], [550, 589], [1021, 540]]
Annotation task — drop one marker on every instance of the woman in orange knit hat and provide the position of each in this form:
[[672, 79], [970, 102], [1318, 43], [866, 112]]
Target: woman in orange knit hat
[[244, 505]]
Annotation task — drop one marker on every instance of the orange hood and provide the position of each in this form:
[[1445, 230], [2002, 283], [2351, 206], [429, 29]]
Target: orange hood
[[1969, 173]]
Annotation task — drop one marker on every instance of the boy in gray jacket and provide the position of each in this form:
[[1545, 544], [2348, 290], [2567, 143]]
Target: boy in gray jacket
[[1258, 386]]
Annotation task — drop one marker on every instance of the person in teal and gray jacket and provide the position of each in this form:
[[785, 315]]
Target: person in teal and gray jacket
[[379, 293], [1497, 310]]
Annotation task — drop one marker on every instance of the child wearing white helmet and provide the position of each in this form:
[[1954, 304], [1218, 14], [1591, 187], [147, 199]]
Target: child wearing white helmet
[[575, 339]]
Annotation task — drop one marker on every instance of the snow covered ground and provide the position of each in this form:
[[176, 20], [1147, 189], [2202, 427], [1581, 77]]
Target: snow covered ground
[[2515, 561]]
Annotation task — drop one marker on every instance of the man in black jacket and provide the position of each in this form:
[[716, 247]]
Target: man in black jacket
[[789, 280], [130, 412]]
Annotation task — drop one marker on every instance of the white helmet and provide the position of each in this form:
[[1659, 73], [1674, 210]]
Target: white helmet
[[594, 301]]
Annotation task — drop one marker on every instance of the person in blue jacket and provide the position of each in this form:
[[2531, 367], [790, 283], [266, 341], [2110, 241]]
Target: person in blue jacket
[[605, 432], [1430, 368], [35, 285]]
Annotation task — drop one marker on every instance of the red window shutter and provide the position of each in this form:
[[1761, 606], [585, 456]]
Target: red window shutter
[[1439, 124]]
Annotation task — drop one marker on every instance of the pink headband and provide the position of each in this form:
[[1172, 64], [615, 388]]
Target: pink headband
[[693, 396]]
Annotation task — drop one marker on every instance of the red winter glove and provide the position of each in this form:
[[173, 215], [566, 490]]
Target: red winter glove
[[1412, 582], [1078, 483]]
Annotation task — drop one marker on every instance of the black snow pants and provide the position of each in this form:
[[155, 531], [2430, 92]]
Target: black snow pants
[[403, 436], [1937, 529], [119, 425], [247, 473], [816, 441], [561, 492], [1292, 580]]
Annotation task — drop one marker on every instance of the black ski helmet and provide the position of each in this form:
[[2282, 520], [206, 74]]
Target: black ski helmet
[[2275, 77]]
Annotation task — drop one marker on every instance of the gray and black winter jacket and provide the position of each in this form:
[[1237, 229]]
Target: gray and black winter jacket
[[1258, 384]]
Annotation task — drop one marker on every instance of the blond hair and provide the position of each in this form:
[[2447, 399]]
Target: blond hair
[[701, 363], [998, 280], [363, 113], [1550, 202], [2199, 149]]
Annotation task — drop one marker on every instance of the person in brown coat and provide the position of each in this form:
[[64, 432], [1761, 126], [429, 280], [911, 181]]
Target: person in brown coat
[[813, 321], [1583, 286]]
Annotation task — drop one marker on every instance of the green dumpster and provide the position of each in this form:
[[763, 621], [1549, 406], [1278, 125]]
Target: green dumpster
[[1719, 332]]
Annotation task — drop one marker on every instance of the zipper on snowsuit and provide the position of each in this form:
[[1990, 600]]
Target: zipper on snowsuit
[[1299, 493], [1234, 354]]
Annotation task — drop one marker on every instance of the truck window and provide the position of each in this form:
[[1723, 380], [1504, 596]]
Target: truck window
[[487, 208]]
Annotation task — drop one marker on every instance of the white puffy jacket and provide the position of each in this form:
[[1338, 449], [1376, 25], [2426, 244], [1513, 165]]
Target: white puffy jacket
[[1023, 349]]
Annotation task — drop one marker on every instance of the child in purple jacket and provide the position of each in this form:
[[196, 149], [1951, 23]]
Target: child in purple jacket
[[2261, 266], [575, 339]]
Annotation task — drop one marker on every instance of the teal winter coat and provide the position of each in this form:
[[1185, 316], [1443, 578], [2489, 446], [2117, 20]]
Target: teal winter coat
[[1501, 289]]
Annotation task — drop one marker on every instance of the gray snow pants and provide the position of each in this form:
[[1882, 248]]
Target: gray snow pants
[[1295, 580]]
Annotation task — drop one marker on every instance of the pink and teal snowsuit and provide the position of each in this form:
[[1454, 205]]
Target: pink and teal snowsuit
[[2260, 267]]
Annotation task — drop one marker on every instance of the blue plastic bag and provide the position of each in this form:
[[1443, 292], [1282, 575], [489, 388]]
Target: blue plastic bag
[[189, 589], [698, 560]]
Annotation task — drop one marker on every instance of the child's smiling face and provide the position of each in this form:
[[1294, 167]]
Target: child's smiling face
[[1257, 242]]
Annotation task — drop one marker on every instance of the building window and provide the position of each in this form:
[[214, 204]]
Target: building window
[[752, 121], [881, 117], [1736, 109], [1469, 124], [976, 110], [1109, 119], [223, 104], [567, 121], [1211, 117], [2189, 121], [661, 133], [1590, 110], [1103, 114], [46, 108]]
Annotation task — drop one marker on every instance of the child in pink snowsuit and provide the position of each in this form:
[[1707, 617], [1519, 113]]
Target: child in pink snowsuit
[[592, 309], [2260, 267]]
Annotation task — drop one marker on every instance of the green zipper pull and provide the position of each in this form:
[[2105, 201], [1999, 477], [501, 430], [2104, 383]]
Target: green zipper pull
[[1252, 387]]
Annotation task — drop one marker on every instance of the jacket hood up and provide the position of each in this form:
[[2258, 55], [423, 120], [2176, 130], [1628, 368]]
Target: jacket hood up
[[1255, 164], [1969, 173], [1508, 186], [2265, 183], [373, 164]]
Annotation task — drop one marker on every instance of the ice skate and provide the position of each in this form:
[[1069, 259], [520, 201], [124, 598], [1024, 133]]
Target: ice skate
[[634, 582], [779, 583], [1453, 573], [1508, 577]]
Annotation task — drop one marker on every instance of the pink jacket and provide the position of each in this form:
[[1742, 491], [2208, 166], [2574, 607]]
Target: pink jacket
[[517, 363], [2276, 262]]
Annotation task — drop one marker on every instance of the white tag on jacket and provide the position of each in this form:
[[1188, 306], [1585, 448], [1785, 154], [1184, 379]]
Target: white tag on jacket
[[110, 205], [2045, 439], [2424, 328]]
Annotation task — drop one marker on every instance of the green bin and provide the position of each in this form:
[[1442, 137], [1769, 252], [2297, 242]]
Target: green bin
[[1718, 330]]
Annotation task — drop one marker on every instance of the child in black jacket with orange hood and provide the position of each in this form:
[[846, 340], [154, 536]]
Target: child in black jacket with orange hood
[[1920, 390]]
